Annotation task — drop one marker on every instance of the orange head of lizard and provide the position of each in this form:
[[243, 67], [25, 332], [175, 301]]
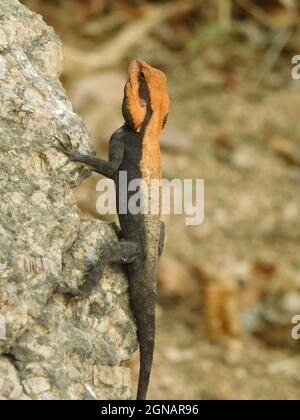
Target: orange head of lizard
[[145, 94]]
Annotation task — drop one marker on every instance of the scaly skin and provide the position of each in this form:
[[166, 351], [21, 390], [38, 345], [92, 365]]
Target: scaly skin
[[134, 149]]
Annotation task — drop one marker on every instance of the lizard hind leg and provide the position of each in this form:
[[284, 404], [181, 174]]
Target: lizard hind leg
[[122, 252]]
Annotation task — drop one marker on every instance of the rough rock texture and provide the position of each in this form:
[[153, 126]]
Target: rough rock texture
[[52, 346]]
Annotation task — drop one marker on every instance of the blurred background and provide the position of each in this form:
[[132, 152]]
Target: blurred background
[[228, 289]]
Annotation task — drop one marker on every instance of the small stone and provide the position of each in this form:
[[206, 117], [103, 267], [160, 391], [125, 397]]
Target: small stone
[[245, 158], [112, 376], [291, 302], [10, 386], [36, 386], [16, 392]]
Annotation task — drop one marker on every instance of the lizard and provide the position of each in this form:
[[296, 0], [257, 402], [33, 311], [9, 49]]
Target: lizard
[[134, 148]]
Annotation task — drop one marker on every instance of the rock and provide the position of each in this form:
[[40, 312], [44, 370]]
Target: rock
[[50, 343], [36, 386], [116, 377], [10, 386]]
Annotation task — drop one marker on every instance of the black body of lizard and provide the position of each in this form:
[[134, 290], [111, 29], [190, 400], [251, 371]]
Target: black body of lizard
[[134, 149]]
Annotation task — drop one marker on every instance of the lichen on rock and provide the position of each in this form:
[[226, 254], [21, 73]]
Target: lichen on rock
[[52, 346]]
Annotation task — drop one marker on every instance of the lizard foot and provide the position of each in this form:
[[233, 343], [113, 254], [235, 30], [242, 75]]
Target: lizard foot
[[67, 148]]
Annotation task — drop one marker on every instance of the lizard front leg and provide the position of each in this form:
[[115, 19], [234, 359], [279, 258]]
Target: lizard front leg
[[103, 167]]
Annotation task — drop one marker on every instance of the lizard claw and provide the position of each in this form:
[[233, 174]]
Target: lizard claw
[[70, 146], [60, 145], [67, 149]]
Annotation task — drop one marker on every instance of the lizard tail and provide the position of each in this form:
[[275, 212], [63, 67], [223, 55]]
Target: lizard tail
[[146, 344]]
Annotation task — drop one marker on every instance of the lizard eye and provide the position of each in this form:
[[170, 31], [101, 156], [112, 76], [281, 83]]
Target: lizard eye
[[165, 121], [141, 76]]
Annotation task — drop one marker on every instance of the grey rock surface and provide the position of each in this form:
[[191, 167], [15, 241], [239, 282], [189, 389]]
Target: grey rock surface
[[52, 346]]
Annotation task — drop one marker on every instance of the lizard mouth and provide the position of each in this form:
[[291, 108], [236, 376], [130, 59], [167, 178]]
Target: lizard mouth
[[134, 69]]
